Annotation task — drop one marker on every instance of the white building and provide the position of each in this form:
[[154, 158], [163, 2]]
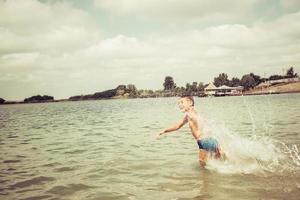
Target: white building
[[284, 80], [212, 90], [273, 82]]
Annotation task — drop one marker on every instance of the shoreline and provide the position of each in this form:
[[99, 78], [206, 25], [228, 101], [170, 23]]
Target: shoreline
[[120, 98]]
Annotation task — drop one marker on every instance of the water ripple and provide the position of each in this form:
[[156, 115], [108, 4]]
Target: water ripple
[[107, 150], [33, 181]]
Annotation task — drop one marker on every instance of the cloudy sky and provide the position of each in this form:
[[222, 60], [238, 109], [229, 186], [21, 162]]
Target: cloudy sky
[[71, 47]]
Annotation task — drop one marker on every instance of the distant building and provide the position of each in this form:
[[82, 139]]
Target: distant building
[[226, 90], [212, 90], [273, 82], [284, 80]]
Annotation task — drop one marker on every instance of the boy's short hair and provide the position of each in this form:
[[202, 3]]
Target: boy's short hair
[[190, 97]]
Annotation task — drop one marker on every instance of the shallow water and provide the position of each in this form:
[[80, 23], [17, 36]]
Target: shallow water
[[107, 150]]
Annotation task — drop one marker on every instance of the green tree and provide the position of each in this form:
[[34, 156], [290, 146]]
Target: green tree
[[194, 87], [176, 89], [188, 87], [169, 83], [131, 89], [222, 79], [234, 82], [248, 81], [256, 78], [290, 73], [201, 87]]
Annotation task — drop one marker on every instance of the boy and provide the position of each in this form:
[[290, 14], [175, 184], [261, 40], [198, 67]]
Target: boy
[[207, 145]]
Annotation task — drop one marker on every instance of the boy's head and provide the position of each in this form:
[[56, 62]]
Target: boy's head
[[186, 102]]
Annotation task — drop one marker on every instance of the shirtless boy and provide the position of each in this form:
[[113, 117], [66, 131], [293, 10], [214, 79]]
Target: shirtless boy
[[208, 146]]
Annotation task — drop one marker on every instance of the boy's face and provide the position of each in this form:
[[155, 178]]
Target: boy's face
[[184, 104]]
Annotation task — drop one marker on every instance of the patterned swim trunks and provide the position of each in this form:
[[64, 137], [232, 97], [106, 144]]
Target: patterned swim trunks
[[208, 144]]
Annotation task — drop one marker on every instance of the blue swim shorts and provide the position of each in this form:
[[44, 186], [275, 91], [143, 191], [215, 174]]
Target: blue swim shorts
[[208, 144]]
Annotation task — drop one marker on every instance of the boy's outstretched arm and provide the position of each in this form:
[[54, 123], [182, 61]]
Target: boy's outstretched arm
[[174, 127]]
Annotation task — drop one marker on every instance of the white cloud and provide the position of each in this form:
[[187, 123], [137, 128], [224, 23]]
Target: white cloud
[[173, 10], [62, 51], [290, 4], [33, 26]]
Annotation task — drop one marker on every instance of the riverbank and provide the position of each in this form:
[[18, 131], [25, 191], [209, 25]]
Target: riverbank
[[275, 89], [123, 94]]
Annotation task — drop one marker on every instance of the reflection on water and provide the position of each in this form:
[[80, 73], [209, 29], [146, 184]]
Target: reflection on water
[[107, 150]]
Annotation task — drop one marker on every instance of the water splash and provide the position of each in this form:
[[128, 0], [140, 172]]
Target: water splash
[[251, 117], [259, 154], [293, 153]]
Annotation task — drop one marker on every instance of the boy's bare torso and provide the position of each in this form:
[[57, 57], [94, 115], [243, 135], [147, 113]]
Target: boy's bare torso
[[192, 118]]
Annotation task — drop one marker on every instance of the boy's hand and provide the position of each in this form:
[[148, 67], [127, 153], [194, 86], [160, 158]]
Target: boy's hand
[[159, 134]]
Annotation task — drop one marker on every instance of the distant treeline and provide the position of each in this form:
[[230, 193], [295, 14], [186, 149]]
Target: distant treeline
[[247, 81], [2, 101], [126, 91], [32, 99], [39, 98]]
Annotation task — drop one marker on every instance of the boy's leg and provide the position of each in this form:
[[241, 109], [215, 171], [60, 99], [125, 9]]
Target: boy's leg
[[202, 157], [218, 153]]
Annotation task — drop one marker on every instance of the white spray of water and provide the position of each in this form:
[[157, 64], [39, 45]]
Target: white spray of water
[[244, 155], [258, 153], [251, 117]]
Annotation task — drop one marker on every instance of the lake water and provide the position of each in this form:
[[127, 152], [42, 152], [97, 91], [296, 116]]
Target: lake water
[[108, 150]]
